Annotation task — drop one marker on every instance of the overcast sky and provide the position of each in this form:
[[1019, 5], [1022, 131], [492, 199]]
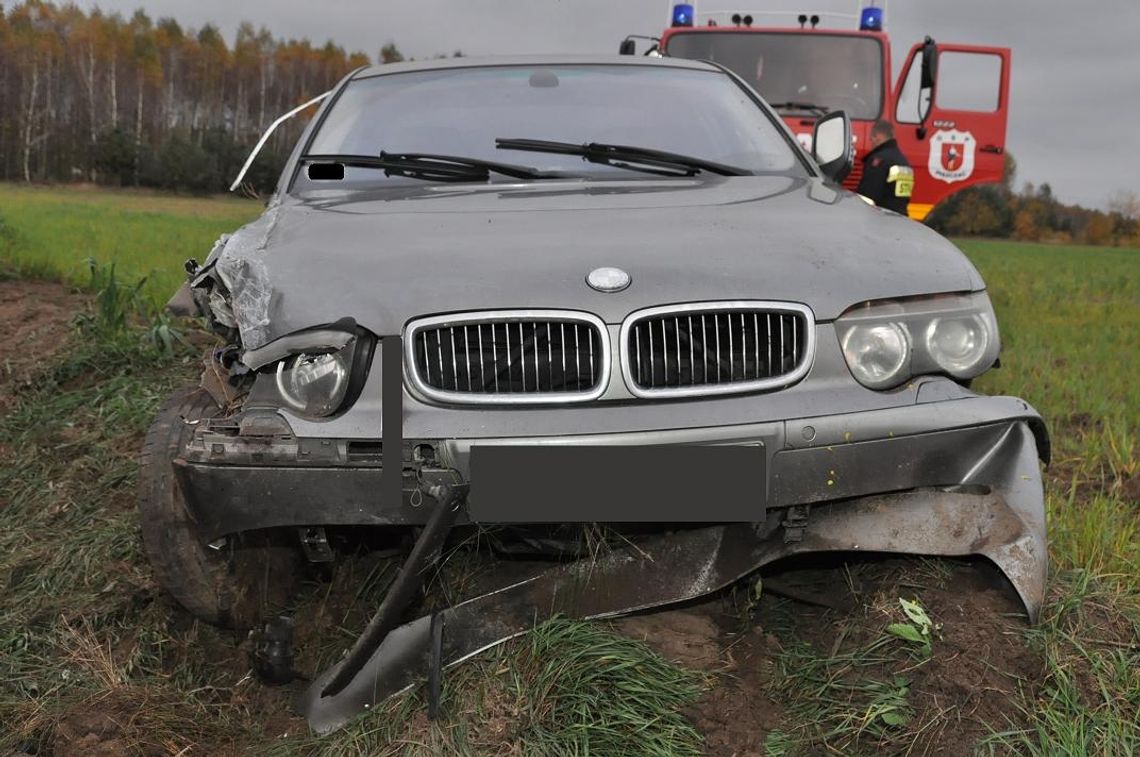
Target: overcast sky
[[1075, 92]]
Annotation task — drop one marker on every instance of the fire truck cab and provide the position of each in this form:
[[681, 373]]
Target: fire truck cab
[[949, 105]]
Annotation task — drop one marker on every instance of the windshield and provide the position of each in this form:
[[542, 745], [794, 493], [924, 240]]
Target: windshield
[[462, 111], [833, 71]]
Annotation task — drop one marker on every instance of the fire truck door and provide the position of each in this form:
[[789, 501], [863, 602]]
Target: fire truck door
[[951, 117]]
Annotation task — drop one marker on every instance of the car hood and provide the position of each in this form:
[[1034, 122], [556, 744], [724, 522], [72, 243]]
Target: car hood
[[385, 257]]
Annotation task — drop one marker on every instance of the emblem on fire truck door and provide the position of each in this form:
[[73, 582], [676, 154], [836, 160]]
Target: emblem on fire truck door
[[952, 155]]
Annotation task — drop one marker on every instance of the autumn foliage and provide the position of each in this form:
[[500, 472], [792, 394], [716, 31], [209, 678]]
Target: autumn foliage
[[90, 96], [1034, 214]]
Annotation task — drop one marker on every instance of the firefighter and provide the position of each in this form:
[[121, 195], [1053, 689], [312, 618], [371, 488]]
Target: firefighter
[[888, 179]]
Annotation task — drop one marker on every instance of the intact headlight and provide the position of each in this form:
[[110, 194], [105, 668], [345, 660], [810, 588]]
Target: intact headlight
[[886, 342], [959, 343], [877, 354], [315, 385]]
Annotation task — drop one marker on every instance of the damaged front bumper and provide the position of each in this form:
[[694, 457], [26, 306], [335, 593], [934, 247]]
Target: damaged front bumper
[[953, 477], [983, 450]]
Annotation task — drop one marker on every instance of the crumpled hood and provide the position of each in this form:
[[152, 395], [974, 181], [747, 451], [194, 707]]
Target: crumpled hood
[[385, 257]]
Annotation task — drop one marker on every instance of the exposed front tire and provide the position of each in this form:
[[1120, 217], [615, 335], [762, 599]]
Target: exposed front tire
[[234, 586]]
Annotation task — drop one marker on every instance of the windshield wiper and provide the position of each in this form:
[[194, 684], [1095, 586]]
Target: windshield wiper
[[812, 107], [624, 156], [432, 167]]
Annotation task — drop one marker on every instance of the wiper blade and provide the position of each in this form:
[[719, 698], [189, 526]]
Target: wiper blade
[[624, 156], [432, 167], [800, 106]]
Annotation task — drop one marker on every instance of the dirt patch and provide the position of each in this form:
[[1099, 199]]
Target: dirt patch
[[92, 729], [738, 711], [139, 720], [689, 638], [35, 322], [980, 656], [124, 720], [734, 714], [1130, 487]]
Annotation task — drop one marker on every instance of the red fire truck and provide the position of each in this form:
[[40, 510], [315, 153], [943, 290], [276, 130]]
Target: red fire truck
[[948, 106]]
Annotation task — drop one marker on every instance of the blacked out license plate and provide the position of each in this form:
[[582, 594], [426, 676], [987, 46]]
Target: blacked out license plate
[[672, 483]]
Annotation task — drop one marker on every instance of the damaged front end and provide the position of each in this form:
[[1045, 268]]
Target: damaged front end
[[996, 512], [232, 289]]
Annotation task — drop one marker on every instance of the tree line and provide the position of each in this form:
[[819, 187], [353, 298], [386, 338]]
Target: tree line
[[92, 96], [1033, 214]]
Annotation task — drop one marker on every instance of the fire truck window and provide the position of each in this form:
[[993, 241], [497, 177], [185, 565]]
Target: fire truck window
[[968, 81], [913, 102], [832, 71]]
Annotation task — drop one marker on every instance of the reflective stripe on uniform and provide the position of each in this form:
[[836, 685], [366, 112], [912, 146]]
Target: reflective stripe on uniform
[[903, 179]]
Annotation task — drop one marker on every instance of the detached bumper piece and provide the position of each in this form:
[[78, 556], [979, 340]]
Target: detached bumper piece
[[669, 569], [449, 495], [997, 512]]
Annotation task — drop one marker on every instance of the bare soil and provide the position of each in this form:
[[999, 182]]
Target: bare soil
[[735, 713], [35, 320], [118, 722], [964, 690]]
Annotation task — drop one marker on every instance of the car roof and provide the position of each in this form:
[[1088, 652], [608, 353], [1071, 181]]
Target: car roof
[[531, 60]]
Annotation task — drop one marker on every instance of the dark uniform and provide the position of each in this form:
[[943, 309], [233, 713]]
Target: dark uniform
[[888, 179]]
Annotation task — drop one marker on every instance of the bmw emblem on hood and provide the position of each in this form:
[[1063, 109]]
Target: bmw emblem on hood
[[608, 279]]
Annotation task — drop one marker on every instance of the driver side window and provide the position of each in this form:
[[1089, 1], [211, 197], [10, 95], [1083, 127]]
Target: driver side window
[[914, 101]]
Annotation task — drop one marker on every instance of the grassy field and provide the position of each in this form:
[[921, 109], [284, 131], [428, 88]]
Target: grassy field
[[50, 233], [93, 657], [1070, 320]]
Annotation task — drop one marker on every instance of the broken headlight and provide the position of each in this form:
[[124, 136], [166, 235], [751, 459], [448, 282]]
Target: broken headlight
[[318, 383], [886, 342], [314, 384]]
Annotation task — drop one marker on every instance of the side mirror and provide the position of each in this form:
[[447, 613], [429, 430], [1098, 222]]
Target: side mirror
[[927, 81], [929, 64], [831, 145], [627, 47]]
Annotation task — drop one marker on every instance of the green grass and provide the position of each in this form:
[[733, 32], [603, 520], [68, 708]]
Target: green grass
[[1070, 321], [567, 688], [83, 628], [1089, 700], [78, 624], [836, 702], [50, 232]]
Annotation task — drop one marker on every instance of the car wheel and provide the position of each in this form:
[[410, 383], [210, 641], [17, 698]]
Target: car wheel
[[234, 585]]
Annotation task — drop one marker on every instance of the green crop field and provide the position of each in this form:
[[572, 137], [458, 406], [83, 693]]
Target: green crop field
[[50, 233], [92, 654]]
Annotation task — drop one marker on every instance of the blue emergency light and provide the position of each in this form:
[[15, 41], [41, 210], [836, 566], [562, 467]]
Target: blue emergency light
[[683, 14], [871, 20]]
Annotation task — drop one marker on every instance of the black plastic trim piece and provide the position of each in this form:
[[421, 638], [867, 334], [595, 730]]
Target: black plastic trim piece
[[392, 420]]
